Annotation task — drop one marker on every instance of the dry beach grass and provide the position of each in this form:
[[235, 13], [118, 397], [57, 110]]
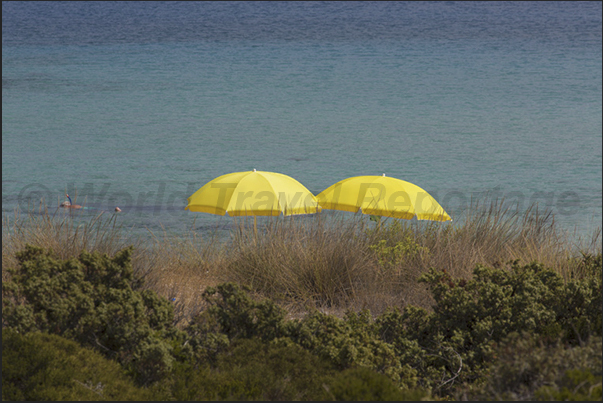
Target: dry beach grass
[[332, 262]]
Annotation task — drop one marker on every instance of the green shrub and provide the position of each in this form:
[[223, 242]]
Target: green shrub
[[92, 300], [253, 370], [576, 385], [345, 343], [239, 316], [43, 367], [349, 342], [250, 369], [356, 384], [231, 315], [452, 344], [205, 339], [391, 256], [528, 367], [409, 334]]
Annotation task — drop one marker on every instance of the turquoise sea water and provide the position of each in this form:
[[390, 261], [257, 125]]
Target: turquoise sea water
[[138, 104]]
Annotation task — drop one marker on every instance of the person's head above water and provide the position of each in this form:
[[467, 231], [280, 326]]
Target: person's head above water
[[69, 204]]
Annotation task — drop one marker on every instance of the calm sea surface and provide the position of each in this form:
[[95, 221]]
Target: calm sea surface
[[139, 104]]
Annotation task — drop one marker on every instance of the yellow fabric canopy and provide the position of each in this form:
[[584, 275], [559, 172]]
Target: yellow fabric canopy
[[383, 196], [253, 193]]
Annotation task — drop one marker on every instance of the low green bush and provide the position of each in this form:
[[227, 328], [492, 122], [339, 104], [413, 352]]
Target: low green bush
[[249, 369], [576, 385], [350, 342], [45, 367], [240, 316], [362, 384], [527, 367], [95, 301], [231, 315], [390, 256], [346, 343], [453, 344]]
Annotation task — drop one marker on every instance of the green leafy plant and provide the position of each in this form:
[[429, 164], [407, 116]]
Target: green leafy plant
[[391, 256], [349, 342], [529, 367], [46, 367], [249, 369], [93, 300], [356, 384], [576, 385], [454, 343], [345, 343]]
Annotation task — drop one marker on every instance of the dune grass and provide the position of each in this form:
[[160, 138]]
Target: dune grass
[[180, 268], [343, 262], [317, 262], [333, 262]]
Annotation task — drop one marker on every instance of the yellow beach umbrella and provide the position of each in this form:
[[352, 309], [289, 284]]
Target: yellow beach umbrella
[[382, 196], [253, 193]]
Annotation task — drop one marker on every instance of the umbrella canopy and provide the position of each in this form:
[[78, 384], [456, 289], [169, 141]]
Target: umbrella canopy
[[383, 196], [253, 193]]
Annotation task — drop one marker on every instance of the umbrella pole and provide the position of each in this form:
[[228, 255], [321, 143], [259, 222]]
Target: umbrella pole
[[255, 227]]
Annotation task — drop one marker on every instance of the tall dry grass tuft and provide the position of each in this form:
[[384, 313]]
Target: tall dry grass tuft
[[496, 233], [306, 262], [180, 268]]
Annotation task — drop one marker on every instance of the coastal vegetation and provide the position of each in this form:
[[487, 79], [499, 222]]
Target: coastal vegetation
[[497, 306]]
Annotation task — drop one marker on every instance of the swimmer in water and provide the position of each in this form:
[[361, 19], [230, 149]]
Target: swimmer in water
[[69, 204]]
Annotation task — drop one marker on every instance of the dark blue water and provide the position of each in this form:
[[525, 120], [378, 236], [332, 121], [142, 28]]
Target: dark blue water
[[102, 23], [138, 104]]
